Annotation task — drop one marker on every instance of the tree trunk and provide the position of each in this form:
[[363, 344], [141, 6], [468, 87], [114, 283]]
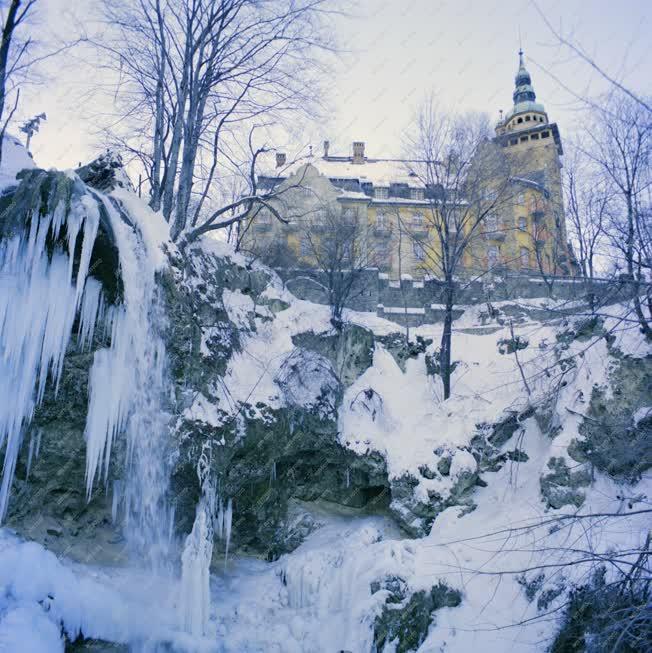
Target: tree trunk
[[634, 277], [446, 338], [5, 46]]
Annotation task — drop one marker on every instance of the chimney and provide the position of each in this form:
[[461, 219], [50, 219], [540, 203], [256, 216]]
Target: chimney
[[280, 159], [327, 144], [358, 152]]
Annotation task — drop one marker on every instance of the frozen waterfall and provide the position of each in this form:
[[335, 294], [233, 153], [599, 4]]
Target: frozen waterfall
[[40, 299], [128, 395]]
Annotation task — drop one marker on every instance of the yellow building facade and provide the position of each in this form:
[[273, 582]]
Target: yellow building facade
[[396, 211]]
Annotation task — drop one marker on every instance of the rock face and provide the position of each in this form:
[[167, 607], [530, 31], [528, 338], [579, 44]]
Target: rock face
[[263, 456], [405, 618]]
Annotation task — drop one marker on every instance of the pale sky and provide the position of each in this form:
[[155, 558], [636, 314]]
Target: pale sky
[[463, 51]]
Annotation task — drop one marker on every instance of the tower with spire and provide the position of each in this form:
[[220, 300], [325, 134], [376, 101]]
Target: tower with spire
[[532, 145], [527, 121]]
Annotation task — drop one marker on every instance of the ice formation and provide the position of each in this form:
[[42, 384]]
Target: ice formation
[[46, 290], [128, 393], [195, 573], [41, 298]]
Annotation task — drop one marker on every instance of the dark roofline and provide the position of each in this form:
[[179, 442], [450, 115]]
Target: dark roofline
[[552, 127]]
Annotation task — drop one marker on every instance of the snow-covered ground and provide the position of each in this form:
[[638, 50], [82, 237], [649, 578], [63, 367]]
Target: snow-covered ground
[[318, 599]]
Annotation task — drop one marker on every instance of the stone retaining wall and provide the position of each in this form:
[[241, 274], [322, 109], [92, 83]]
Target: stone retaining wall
[[416, 302]]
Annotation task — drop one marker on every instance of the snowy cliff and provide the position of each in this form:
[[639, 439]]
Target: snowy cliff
[[218, 469]]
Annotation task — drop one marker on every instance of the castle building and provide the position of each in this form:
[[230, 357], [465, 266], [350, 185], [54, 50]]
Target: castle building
[[395, 206]]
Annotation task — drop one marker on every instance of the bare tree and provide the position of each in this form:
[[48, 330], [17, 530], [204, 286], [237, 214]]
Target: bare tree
[[335, 243], [13, 53], [588, 198], [193, 70], [467, 181], [619, 142]]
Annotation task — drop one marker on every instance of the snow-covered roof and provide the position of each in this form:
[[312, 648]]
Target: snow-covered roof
[[379, 172]]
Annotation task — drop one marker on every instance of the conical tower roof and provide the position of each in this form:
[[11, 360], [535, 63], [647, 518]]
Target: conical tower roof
[[524, 95]]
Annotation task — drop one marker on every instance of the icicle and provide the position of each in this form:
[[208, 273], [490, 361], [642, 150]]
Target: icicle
[[228, 519], [115, 503], [348, 477], [195, 574], [89, 312], [33, 451], [219, 525], [39, 301], [11, 455]]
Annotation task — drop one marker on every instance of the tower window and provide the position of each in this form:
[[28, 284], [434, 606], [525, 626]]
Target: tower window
[[545, 134]]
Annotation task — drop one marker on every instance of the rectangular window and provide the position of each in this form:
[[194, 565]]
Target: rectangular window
[[417, 221], [491, 222], [264, 217], [525, 257], [381, 193], [545, 134], [304, 246], [418, 251], [381, 221], [492, 257], [522, 224]]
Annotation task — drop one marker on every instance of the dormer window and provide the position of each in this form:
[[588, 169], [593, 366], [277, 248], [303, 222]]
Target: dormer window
[[417, 193], [381, 193]]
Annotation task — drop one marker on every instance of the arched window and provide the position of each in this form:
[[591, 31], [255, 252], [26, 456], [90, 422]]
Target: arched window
[[520, 120]]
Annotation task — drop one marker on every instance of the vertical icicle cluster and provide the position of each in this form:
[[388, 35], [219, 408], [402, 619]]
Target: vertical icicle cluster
[[213, 517], [39, 301], [195, 573]]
